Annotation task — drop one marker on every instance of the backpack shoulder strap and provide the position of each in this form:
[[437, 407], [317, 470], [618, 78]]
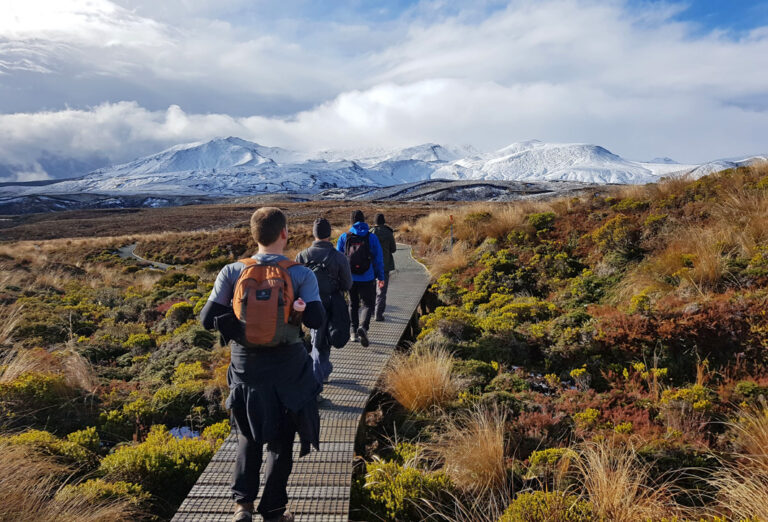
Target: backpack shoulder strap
[[248, 261], [285, 264]]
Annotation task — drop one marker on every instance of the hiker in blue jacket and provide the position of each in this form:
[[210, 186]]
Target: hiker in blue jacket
[[366, 261]]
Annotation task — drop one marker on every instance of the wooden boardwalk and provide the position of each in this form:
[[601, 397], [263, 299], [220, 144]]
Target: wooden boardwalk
[[319, 486]]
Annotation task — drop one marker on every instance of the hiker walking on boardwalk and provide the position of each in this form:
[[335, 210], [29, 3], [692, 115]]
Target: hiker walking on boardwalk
[[331, 269], [367, 265], [259, 304], [386, 237]]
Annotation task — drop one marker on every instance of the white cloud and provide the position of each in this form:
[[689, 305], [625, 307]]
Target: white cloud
[[627, 78]]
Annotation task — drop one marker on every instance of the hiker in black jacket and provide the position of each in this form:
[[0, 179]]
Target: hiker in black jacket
[[386, 238], [333, 275]]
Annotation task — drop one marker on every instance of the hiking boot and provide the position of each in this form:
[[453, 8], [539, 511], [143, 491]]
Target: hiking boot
[[285, 517], [243, 512], [363, 334]]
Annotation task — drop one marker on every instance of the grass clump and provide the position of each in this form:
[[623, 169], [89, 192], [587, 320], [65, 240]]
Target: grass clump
[[618, 486], [472, 448], [422, 379]]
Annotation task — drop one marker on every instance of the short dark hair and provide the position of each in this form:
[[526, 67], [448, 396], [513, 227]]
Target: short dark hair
[[266, 225], [358, 216]]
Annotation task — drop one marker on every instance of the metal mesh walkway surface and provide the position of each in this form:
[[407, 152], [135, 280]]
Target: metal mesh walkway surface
[[319, 487]]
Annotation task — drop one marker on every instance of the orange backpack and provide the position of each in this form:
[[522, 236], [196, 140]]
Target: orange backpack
[[263, 301]]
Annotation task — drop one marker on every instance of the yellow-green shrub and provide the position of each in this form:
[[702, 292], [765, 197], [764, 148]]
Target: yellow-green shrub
[[180, 313], [587, 418], [139, 342], [542, 220], [217, 433], [452, 322], [548, 506], [544, 462], [186, 372], [504, 312], [164, 465], [99, 490], [397, 492], [74, 449], [697, 396], [39, 396]]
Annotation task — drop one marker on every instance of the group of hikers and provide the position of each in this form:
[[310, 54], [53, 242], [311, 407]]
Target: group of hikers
[[259, 305]]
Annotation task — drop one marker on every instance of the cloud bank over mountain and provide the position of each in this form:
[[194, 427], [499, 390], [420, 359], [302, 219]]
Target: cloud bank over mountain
[[105, 82]]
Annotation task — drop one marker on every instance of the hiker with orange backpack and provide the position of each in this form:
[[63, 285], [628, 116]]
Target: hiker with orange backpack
[[259, 304], [366, 262]]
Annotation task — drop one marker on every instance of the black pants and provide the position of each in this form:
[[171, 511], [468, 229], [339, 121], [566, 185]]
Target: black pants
[[381, 298], [245, 476], [364, 291]]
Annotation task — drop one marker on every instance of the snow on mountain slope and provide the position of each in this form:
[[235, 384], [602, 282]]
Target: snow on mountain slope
[[534, 160], [233, 166], [722, 164]]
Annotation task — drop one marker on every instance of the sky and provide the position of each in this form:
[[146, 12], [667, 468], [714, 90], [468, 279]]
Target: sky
[[86, 83]]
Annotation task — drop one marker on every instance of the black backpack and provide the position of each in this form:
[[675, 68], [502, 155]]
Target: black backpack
[[325, 283], [358, 252]]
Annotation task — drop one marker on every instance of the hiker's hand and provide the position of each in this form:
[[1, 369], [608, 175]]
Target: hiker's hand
[[299, 305], [381, 283]]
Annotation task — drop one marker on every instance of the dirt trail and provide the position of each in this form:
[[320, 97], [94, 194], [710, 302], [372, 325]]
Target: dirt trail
[[128, 252]]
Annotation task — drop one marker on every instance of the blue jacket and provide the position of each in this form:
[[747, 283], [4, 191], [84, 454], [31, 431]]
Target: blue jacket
[[376, 270]]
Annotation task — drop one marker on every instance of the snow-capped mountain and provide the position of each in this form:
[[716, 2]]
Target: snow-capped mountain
[[233, 166], [722, 164]]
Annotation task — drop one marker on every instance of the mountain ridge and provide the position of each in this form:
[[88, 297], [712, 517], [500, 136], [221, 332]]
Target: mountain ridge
[[232, 166]]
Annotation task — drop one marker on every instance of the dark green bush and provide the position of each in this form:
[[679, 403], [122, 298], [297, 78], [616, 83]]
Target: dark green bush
[[508, 382], [473, 373]]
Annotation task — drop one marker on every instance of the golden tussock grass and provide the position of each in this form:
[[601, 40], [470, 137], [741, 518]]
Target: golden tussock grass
[[422, 379], [76, 370], [472, 448], [696, 256], [616, 484], [28, 483], [742, 483], [9, 318], [455, 258]]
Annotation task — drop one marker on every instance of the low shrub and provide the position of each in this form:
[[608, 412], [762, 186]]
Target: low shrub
[[402, 491], [508, 382], [179, 314], [472, 373], [217, 433], [163, 465], [94, 491], [548, 506], [139, 343], [451, 322], [77, 448], [542, 220]]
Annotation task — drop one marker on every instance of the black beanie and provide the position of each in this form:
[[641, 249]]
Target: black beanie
[[380, 219], [357, 216], [322, 228]]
